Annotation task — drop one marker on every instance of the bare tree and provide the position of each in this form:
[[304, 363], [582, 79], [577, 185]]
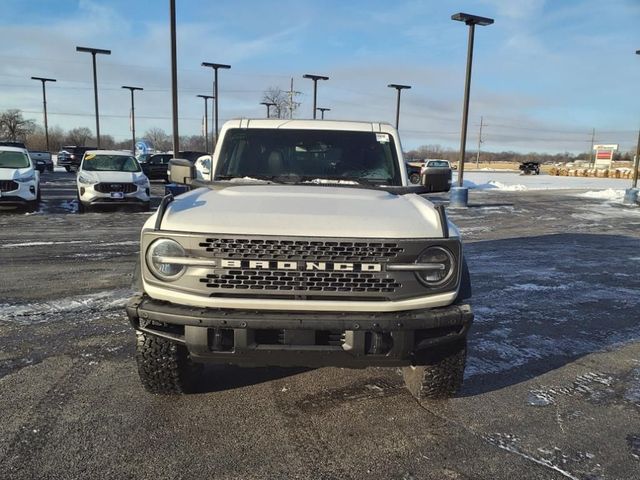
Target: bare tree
[[14, 127], [78, 136], [158, 139], [281, 100]]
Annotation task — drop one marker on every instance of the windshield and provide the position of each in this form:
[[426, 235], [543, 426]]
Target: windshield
[[309, 156], [13, 160], [110, 163], [437, 163]]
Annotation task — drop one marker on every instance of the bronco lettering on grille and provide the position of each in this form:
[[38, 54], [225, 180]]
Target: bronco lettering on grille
[[294, 265]]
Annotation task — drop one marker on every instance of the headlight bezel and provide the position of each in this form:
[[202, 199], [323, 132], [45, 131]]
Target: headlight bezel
[[450, 261], [151, 264], [141, 182], [84, 180]]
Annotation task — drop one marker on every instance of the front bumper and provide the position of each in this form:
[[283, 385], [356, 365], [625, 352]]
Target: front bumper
[[317, 339], [21, 195], [89, 196]]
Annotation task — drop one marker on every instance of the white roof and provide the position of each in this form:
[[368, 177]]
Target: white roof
[[109, 152], [14, 149], [310, 124]]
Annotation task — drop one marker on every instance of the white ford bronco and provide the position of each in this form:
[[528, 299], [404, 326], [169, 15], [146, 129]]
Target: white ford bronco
[[305, 246]]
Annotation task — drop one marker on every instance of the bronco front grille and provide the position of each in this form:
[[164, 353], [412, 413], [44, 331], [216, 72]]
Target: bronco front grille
[[8, 186], [115, 187], [314, 250], [302, 282]]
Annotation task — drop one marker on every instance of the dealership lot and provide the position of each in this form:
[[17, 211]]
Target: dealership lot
[[553, 376]]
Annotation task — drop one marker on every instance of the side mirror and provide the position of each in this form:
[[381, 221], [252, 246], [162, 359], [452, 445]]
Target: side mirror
[[181, 171]]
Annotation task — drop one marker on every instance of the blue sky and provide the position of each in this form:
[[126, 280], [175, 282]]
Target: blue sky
[[545, 73]]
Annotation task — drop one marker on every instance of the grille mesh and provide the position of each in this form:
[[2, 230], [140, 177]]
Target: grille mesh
[[280, 249], [115, 187], [295, 281], [8, 186]]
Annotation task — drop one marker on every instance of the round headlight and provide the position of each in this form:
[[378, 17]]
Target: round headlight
[[442, 266], [157, 255]]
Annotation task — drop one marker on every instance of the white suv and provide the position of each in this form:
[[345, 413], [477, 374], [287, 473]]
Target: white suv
[[109, 177], [19, 179]]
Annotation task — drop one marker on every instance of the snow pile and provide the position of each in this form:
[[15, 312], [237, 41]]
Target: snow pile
[[494, 185], [611, 194]]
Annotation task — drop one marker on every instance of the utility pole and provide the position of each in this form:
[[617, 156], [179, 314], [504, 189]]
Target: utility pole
[[292, 105], [94, 52], [44, 103], [593, 136], [479, 142], [133, 118]]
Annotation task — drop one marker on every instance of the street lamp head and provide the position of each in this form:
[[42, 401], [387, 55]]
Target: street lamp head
[[215, 65], [132, 88], [93, 50], [206, 97], [323, 109], [398, 87], [268, 104], [471, 19], [315, 77], [43, 79]]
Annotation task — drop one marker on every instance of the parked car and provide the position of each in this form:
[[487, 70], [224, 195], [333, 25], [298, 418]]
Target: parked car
[[530, 168], [71, 156], [155, 166], [436, 174], [42, 160], [110, 177], [19, 179]]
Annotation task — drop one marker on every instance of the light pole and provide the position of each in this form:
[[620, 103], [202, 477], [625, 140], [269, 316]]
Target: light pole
[[206, 121], [268, 105], [631, 194], [44, 103], [94, 52], [215, 67], [315, 79], [399, 88], [174, 77], [460, 195], [133, 118], [322, 110]]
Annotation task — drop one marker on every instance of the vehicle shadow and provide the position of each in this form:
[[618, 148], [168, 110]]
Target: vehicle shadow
[[542, 302], [217, 378]]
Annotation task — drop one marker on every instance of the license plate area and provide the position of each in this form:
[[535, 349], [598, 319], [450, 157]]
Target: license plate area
[[117, 195]]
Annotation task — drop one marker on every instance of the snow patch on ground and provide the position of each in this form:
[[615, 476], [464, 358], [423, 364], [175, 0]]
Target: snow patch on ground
[[41, 312], [41, 244], [510, 181], [608, 194]]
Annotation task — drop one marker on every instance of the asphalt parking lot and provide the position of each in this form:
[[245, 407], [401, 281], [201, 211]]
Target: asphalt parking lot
[[552, 387]]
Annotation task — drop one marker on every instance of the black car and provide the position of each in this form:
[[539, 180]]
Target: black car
[[155, 166], [71, 156], [530, 168]]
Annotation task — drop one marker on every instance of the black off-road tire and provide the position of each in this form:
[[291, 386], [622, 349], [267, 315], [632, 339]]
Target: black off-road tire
[[439, 373], [165, 367]]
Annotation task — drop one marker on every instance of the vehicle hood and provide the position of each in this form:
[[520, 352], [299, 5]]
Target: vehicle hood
[[11, 173], [112, 177], [292, 210]]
